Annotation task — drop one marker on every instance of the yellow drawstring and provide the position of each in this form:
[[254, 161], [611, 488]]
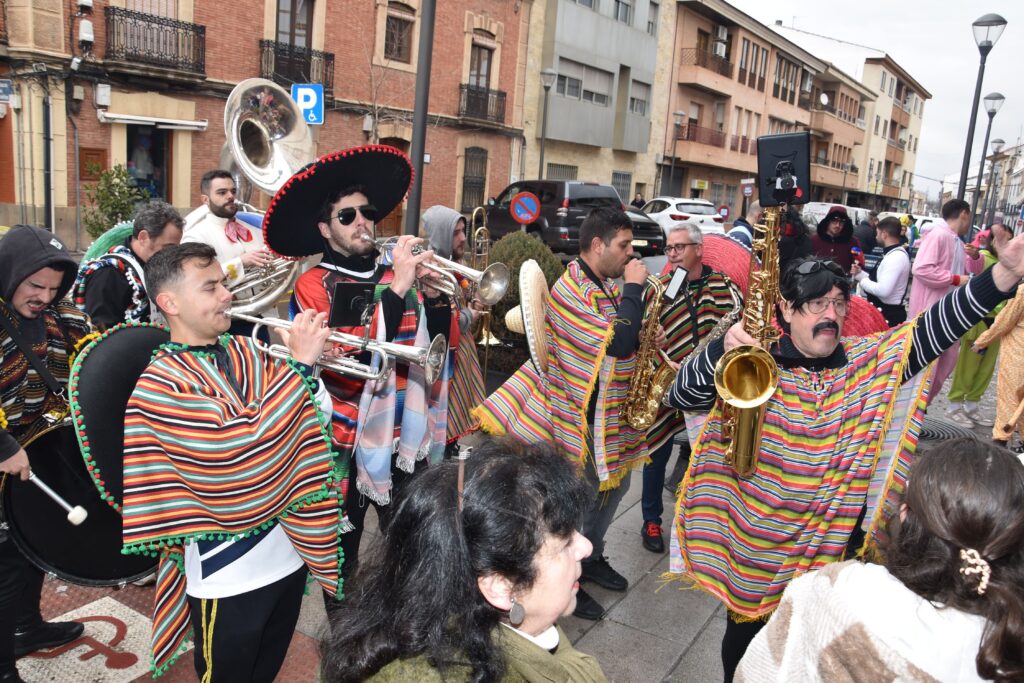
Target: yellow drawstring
[[208, 640]]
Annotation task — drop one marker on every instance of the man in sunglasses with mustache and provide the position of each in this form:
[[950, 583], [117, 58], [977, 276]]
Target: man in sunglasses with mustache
[[838, 435]]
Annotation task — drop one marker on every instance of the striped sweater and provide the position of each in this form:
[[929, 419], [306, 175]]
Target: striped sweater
[[220, 445], [743, 539]]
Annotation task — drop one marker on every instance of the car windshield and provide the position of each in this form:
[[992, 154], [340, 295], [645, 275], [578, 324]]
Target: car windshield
[[594, 196], [699, 209]]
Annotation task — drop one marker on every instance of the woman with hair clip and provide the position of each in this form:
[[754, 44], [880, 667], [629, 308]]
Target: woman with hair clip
[[947, 605], [479, 560]]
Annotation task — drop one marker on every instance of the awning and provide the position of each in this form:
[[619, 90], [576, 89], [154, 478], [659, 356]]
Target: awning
[[166, 124]]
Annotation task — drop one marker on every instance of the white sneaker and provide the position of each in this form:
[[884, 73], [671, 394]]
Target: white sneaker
[[957, 415], [973, 410]]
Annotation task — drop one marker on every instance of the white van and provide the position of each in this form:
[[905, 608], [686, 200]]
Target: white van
[[814, 212]]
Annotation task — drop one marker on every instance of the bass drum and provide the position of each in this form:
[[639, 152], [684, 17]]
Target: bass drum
[[88, 554]]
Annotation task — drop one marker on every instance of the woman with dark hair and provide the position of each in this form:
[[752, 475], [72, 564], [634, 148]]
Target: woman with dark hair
[[947, 605], [475, 567]]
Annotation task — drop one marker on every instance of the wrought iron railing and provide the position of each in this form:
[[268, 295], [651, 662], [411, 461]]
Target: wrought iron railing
[[158, 41], [702, 135], [3, 18], [705, 58], [482, 103], [286, 64]]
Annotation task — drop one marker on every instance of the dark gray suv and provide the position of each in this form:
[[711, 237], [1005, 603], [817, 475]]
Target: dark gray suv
[[563, 206]]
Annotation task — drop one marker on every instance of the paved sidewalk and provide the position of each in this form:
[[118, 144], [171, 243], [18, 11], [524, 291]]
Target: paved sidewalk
[[652, 632]]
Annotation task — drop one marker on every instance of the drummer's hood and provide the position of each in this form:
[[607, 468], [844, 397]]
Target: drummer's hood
[[26, 249]]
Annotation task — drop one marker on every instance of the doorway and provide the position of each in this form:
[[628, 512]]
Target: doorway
[[148, 160]]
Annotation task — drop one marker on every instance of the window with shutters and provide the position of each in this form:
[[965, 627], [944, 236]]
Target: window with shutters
[[562, 172], [622, 181]]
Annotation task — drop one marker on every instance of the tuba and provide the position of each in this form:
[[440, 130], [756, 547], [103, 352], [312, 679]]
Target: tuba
[[746, 376], [267, 142]]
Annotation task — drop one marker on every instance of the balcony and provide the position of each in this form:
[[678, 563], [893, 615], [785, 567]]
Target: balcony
[[141, 43], [482, 104], [833, 173], [701, 135], [286, 64], [704, 70]]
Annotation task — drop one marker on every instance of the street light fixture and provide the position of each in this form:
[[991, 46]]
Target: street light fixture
[[993, 102], [679, 116], [547, 79], [987, 30]]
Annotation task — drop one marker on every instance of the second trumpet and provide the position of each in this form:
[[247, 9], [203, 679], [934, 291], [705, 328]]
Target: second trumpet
[[491, 283]]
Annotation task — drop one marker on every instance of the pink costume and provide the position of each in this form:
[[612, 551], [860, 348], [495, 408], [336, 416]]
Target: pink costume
[[940, 266]]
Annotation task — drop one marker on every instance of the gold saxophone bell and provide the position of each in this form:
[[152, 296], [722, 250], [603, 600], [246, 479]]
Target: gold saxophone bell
[[431, 359]]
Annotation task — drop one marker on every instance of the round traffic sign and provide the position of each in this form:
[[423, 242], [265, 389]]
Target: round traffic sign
[[525, 208], [723, 211]]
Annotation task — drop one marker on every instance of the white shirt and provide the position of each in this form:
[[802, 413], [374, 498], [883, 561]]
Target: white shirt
[[209, 229], [892, 276]]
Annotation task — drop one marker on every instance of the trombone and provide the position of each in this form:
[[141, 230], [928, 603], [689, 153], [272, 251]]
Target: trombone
[[431, 359], [491, 283]]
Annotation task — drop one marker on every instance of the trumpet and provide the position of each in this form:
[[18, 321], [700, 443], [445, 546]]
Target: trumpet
[[491, 283], [431, 359]]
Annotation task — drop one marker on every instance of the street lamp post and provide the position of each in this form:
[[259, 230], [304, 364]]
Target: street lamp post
[[547, 79], [997, 147], [679, 116], [987, 30], [993, 101]]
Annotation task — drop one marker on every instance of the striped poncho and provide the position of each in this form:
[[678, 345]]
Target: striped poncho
[[207, 458], [744, 539], [687, 319], [553, 407]]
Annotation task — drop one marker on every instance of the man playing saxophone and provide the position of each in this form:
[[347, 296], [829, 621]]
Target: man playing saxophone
[[593, 334], [839, 430], [687, 318]]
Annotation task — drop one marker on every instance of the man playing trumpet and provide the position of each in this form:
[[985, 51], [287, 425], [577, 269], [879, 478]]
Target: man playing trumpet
[[381, 429]]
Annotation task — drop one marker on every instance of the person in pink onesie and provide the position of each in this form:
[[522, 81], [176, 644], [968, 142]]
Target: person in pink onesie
[[942, 264]]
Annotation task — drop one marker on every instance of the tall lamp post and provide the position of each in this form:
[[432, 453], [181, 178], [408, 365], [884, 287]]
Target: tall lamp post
[[987, 30], [997, 147], [547, 79], [679, 116], [993, 101]]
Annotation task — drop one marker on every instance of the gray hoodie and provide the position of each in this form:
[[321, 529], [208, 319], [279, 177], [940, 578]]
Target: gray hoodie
[[439, 228], [26, 249]]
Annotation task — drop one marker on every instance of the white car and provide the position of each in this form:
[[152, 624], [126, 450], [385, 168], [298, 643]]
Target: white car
[[670, 211]]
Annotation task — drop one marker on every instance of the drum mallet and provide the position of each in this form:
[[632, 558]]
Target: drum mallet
[[76, 514]]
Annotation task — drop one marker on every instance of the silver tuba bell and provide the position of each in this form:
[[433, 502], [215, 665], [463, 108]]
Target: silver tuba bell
[[267, 143]]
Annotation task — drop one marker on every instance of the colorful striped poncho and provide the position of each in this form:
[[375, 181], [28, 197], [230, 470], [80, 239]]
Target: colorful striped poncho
[[553, 407], [822, 453], [705, 301], [209, 459]]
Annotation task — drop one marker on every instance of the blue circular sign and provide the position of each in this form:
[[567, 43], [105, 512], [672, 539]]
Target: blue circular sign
[[525, 208]]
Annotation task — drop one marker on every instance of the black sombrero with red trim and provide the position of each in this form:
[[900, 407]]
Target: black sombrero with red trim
[[290, 225]]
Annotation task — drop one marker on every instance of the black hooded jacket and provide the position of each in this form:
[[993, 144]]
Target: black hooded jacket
[[23, 251], [836, 248]]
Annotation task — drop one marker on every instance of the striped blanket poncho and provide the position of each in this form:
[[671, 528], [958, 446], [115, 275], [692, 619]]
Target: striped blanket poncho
[[553, 407], [207, 458], [687, 319], [822, 460]]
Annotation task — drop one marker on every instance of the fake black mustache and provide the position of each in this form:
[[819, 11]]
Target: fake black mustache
[[825, 325]]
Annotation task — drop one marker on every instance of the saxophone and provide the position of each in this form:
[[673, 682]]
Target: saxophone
[[746, 376], [653, 375]]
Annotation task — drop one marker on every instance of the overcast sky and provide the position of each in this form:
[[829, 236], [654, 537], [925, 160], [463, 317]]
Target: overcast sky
[[932, 40]]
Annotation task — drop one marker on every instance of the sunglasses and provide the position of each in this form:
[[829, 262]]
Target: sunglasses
[[347, 215], [809, 267]]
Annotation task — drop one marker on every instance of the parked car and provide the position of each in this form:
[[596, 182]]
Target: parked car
[[563, 206], [670, 211]]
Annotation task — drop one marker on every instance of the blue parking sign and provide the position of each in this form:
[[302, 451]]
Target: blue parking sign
[[310, 98]]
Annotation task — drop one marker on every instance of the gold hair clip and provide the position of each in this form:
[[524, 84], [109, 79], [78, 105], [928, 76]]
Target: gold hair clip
[[976, 564]]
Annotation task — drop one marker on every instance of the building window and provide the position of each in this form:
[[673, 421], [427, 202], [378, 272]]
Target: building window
[[892, 85], [398, 32], [583, 82], [882, 89], [639, 96], [756, 55], [474, 178], [652, 19], [878, 122], [586, 3], [481, 57], [622, 181], [562, 172], [623, 11], [295, 22]]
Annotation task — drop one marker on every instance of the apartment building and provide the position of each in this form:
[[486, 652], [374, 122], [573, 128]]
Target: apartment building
[[603, 98], [892, 118], [733, 80], [148, 92]]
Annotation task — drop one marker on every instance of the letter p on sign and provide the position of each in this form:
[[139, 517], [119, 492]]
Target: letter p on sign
[[310, 99]]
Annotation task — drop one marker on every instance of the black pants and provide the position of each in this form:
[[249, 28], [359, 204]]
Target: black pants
[[21, 584], [250, 632]]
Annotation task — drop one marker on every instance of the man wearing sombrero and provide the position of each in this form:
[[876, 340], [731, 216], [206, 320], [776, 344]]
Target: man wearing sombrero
[[573, 394], [380, 430]]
